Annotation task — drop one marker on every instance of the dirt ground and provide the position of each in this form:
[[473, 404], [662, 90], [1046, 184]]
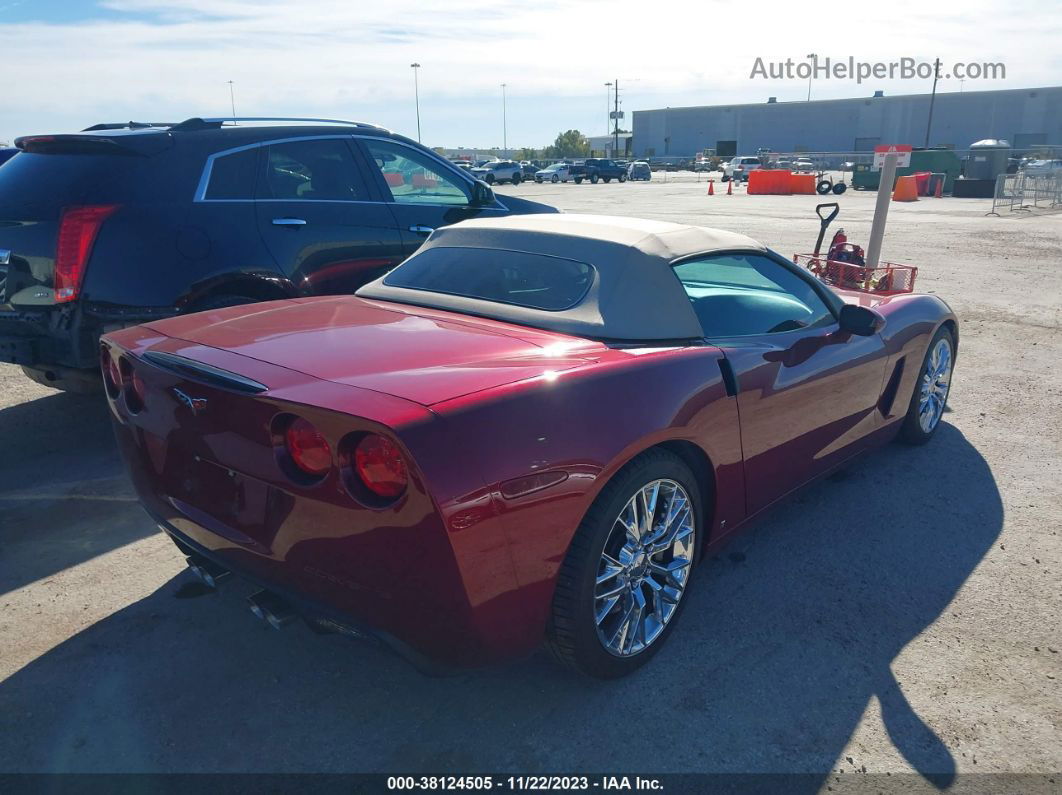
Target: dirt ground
[[902, 616]]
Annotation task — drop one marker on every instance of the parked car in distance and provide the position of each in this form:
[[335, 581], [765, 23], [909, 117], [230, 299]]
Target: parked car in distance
[[301, 444], [558, 172], [528, 169], [738, 168], [118, 225], [783, 164], [1042, 168], [639, 170], [500, 171], [804, 164], [597, 169]]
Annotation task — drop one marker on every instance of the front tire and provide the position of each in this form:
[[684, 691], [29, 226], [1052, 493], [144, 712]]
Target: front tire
[[516, 179], [554, 179], [578, 180], [622, 177], [621, 586], [593, 179], [931, 390], [489, 179]]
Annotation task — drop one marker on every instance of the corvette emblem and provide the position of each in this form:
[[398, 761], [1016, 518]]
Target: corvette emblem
[[195, 404]]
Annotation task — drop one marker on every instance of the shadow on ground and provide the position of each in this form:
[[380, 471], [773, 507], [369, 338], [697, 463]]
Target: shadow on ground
[[789, 636], [64, 495]]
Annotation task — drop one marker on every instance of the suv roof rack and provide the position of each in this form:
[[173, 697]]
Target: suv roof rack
[[215, 122], [128, 125]]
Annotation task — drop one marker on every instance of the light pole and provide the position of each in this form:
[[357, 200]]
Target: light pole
[[232, 101], [811, 76], [505, 131], [608, 105], [416, 95]]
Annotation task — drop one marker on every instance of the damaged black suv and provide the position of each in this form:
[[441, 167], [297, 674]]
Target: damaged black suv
[[121, 224]]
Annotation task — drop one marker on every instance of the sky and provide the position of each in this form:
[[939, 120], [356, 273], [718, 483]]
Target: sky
[[71, 63]]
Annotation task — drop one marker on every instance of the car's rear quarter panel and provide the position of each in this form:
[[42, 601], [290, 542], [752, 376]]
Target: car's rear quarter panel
[[589, 423]]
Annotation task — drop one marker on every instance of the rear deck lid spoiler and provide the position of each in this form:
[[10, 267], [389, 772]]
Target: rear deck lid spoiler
[[204, 372]]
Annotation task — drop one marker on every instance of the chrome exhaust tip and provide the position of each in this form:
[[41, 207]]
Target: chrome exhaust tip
[[209, 572], [272, 609]]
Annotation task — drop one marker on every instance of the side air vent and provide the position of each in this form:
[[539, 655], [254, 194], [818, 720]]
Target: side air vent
[[888, 396], [730, 380]]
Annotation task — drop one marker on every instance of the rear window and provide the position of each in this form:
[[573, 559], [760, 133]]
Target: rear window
[[519, 278], [31, 178]]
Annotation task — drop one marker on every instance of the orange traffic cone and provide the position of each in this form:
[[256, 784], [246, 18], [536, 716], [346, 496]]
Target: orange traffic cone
[[906, 189], [730, 187], [939, 193], [711, 187]]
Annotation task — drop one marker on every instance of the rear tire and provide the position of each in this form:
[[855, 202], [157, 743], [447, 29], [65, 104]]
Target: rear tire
[[555, 179], [578, 180], [930, 396], [583, 619], [516, 179], [593, 179], [622, 177]]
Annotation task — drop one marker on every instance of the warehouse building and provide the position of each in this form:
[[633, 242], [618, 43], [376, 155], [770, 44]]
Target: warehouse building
[[1026, 117]]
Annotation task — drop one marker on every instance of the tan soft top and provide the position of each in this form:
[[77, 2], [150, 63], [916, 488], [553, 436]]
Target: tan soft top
[[635, 296]]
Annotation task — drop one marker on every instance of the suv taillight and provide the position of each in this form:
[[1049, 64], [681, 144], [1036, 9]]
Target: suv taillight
[[77, 232]]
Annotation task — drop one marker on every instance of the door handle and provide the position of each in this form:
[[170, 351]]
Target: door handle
[[421, 230], [288, 222]]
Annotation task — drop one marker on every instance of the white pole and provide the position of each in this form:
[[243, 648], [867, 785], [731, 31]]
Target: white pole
[[881, 209]]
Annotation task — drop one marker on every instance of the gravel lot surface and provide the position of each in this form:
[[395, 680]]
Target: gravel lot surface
[[902, 616]]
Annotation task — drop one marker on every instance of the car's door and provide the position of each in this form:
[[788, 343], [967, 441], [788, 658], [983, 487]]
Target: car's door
[[321, 218], [807, 392], [423, 192]]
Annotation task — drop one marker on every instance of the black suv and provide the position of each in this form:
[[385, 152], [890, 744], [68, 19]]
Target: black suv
[[125, 223]]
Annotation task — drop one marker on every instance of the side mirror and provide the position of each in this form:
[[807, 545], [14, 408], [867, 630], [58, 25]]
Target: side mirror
[[860, 320], [482, 194]]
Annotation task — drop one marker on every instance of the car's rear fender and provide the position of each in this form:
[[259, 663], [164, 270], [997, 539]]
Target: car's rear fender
[[547, 447]]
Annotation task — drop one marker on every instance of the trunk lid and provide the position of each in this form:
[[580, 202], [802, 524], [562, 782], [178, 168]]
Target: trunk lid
[[422, 355]]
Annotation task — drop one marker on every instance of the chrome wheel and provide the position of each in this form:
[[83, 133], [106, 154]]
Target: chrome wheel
[[644, 567], [936, 380]]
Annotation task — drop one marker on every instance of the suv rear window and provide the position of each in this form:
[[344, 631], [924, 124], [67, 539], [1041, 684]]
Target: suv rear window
[[59, 180], [519, 278]]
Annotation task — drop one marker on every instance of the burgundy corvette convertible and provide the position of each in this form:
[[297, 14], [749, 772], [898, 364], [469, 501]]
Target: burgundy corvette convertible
[[532, 428]]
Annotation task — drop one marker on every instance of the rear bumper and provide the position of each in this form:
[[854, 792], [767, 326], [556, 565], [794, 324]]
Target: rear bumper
[[315, 612], [65, 336]]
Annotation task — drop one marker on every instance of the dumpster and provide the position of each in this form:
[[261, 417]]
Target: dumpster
[[939, 161]]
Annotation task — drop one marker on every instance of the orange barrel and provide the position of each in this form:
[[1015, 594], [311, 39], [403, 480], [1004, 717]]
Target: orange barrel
[[922, 180]]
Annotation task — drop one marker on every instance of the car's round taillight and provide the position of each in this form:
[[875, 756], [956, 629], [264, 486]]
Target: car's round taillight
[[380, 466], [309, 450], [112, 371], [137, 392]]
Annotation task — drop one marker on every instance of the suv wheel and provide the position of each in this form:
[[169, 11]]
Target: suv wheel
[[489, 179], [516, 179], [593, 179]]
